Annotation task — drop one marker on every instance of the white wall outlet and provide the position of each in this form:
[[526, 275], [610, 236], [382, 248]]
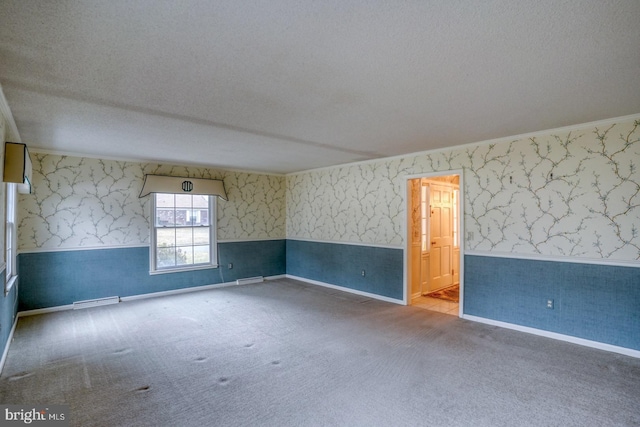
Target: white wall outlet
[[363, 273], [550, 303], [230, 266]]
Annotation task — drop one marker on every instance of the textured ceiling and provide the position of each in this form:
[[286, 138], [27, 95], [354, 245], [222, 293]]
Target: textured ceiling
[[282, 86]]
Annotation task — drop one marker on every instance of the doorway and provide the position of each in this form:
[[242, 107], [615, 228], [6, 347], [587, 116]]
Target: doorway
[[434, 242]]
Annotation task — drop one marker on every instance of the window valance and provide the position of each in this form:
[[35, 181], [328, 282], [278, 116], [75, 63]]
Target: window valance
[[177, 185]]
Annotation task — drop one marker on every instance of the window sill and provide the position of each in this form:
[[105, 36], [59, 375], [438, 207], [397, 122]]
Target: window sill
[[9, 284], [183, 269]]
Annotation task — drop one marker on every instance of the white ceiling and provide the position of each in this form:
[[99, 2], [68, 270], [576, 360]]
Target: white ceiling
[[282, 86]]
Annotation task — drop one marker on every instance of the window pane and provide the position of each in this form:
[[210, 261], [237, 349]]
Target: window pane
[[165, 217], [184, 236], [181, 217], [166, 257], [183, 200], [192, 217], [184, 255], [9, 237], [164, 200], [201, 201], [10, 228], [201, 254], [202, 217], [201, 236], [166, 237]]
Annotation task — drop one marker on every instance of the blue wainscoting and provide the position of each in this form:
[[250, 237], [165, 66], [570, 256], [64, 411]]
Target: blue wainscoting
[[590, 301], [342, 265], [50, 279]]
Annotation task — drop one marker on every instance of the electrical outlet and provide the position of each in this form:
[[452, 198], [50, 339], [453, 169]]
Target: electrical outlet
[[230, 266], [550, 304], [363, 273]]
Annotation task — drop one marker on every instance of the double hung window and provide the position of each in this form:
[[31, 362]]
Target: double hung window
[[183, 234], [11, 240]]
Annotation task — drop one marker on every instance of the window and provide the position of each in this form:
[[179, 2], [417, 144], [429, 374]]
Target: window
[[11, 238], [183, 232]]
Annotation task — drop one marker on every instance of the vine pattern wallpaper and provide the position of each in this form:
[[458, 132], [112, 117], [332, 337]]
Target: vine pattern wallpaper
[[82, 202], [571, 194]]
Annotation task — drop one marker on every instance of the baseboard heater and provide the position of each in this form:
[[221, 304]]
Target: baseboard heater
[[95, 302], [257, 279]]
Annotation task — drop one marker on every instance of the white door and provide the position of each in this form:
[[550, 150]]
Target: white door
[[441, 239]]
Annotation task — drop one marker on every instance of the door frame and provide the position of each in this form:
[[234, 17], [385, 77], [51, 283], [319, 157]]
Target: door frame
[[406, 294]]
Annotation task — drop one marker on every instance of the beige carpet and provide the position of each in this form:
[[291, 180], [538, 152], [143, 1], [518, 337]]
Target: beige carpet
[[284, 353]]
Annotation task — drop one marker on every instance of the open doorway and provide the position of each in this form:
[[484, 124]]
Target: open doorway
[[434, 242]]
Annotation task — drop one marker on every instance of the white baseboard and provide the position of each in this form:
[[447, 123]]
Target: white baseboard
[[45, 310], [6, 347], [176, 291], [239, 282], [144, 296], [349, 290], [556, 336]]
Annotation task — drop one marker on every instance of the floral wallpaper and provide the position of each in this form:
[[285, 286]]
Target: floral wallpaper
[[81, 202], [567, 194]]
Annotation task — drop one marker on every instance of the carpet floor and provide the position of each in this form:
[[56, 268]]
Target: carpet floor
[[285, 353]]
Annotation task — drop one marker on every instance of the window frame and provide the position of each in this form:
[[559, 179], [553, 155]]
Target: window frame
[[213, 245], [11, 236]]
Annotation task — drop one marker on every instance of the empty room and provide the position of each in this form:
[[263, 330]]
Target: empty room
[[332, 213]]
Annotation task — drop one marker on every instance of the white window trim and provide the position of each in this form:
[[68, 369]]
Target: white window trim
[[11, 207], [213, 242]]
